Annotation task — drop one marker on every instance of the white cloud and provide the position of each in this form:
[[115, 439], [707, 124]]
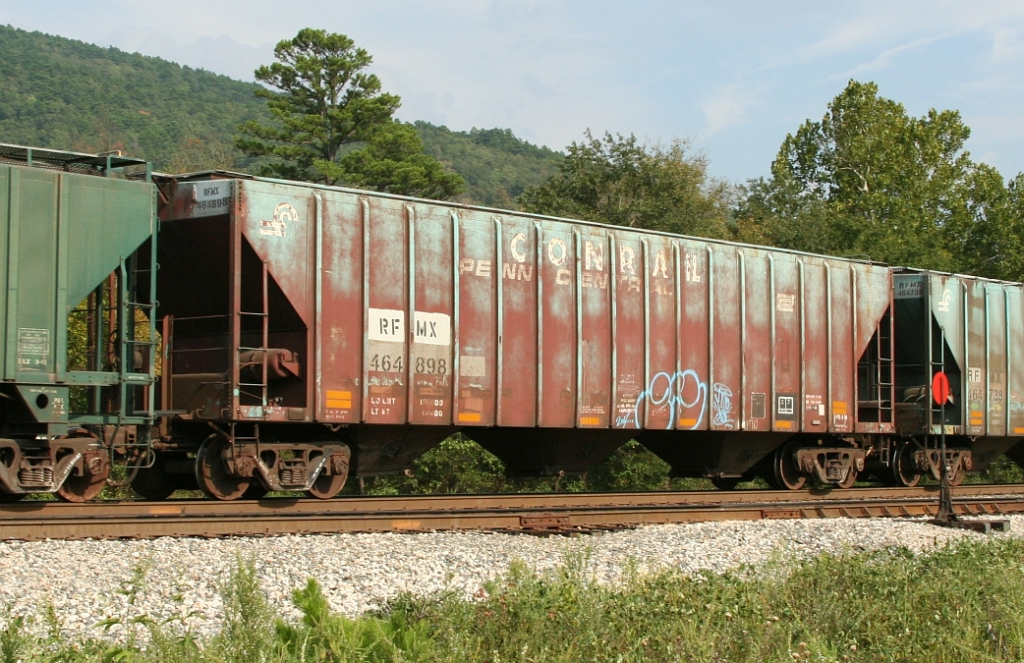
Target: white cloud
[[725, 107], [886, 57], [1007, 44]]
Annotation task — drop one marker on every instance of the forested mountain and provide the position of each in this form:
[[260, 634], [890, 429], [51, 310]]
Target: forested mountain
[[496, 165], [61, 93], [66, 94]]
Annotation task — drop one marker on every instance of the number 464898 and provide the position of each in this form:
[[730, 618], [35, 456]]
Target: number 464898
[[386, 363]]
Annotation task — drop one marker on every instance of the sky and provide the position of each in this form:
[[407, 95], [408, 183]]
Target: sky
[[732, 78]]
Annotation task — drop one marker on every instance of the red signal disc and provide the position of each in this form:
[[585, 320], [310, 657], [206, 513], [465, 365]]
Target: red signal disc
[[940, 388]]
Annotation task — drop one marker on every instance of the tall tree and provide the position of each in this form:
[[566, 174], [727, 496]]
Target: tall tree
[[869, 180], [325, 106], [999, 243], [618, 180], [393, 161]]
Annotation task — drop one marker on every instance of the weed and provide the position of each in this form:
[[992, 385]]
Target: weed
[[14, 642], [248, 632], [323, 635], [960, 604]]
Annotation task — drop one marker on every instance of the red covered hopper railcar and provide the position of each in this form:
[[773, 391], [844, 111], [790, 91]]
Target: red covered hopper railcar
[[312, 328]]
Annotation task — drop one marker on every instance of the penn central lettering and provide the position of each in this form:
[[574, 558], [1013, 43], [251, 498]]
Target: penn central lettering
[[592, 261]]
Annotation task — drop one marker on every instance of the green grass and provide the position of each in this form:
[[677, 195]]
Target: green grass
[[961, 603]]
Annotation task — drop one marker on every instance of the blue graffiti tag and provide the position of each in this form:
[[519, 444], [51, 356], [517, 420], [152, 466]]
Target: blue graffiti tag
[[666, 390], [721, 405]]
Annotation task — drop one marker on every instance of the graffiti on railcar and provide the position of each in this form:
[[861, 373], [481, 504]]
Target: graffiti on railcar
[[721, 406], [668, 390]]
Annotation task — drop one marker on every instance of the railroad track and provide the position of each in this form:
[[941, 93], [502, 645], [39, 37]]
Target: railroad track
[[531, 513]]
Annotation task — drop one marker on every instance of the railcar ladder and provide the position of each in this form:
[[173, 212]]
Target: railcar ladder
[[258, 389], [885, 379], [126, 315], [937, 366], [144, 345]]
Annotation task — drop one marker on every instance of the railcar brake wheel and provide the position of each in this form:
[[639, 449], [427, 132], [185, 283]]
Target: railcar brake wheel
[[787, 475], [212, 474], [903, 471], [83, 488], [327, 486]]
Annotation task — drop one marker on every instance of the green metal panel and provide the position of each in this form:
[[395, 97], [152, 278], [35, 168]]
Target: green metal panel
[[11, 282], [5, 185], [10, 320], [61, 280], [61, 234], [35, 273], [108, 220]]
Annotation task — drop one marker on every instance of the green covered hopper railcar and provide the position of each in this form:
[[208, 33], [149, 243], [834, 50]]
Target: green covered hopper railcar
[[77, 352]]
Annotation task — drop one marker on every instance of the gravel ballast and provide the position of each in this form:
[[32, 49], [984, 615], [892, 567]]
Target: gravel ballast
[[85, 581]]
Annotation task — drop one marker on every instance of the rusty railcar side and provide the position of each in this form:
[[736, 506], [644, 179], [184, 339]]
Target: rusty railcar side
[[405, 320]]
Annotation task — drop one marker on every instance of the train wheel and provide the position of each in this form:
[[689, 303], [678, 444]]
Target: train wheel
[[211, 474], [903, 471], [787, 475], [956, 477], [849, 479], [87, 486], [153, 483], [255, 491], [327, 486], [726, 483]]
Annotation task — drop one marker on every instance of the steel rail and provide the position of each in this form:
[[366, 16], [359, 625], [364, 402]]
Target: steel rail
[[534, 513]]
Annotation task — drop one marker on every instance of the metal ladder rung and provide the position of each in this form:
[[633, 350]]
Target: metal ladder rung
[[261, 360]]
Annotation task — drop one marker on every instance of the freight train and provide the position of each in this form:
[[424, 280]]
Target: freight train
[[240, 335]]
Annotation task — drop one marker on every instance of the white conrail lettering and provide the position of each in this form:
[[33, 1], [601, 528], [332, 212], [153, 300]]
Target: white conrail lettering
[[627, 260], [594, 259], [516, 247]]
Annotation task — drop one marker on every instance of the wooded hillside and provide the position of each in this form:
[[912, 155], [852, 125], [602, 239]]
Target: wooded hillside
[[66, 94]]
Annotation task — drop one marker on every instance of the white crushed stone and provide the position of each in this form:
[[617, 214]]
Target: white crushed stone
[[84, 580]]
